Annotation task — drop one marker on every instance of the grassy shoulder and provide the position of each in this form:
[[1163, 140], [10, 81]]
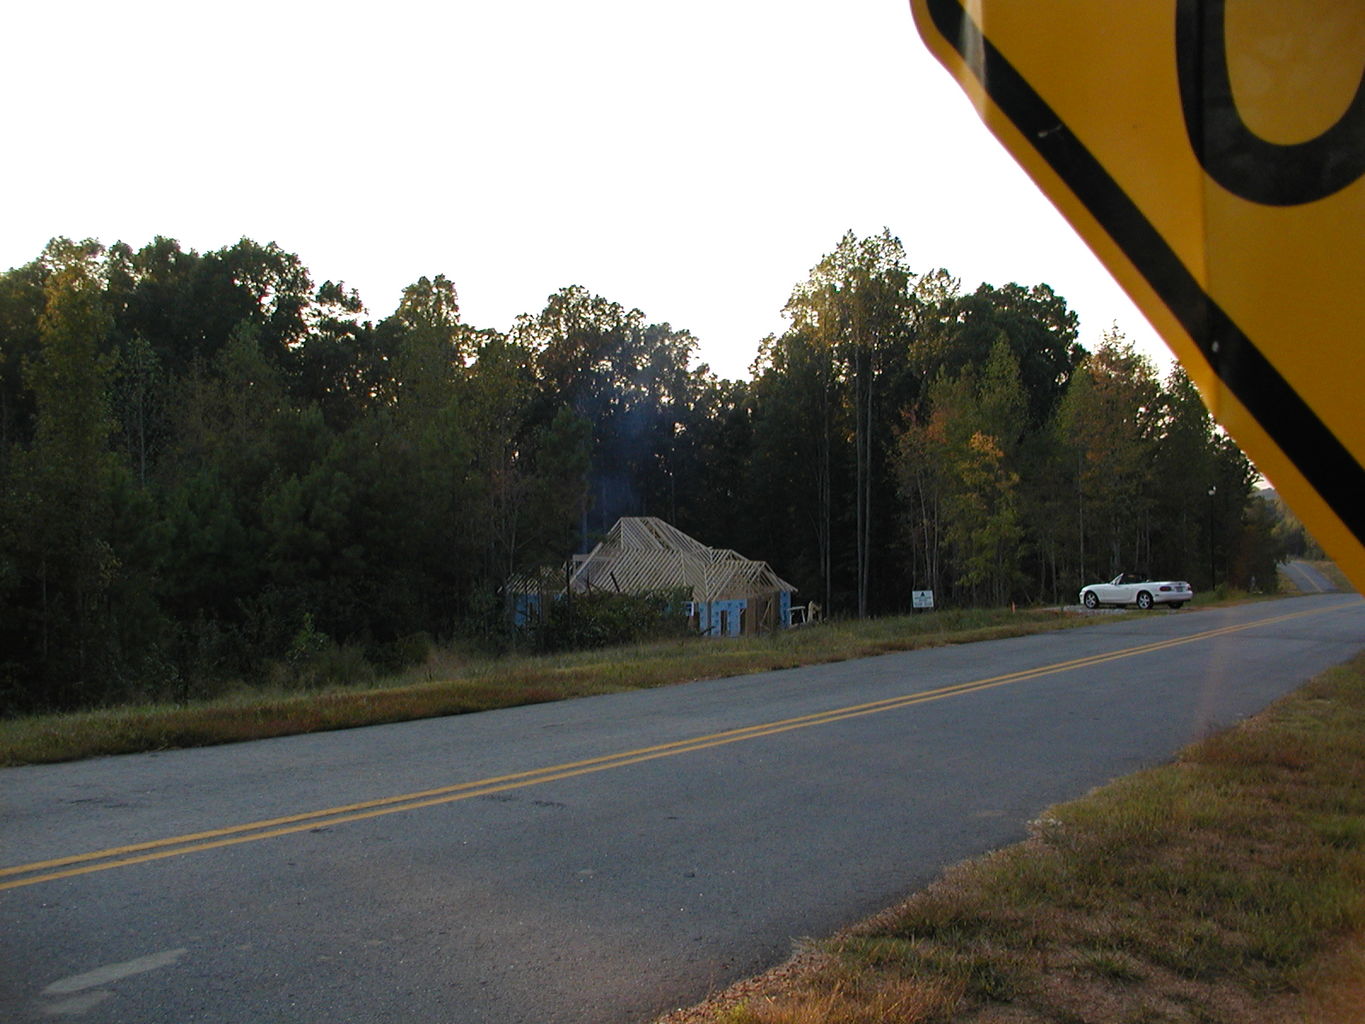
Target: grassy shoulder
[[1228, 886], [449, 683]]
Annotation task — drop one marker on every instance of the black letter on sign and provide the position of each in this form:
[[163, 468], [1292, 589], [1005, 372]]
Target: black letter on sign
[[1234, 156]]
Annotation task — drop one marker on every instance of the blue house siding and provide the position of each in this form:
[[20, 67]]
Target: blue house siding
[[735, 618], [709, 615], [709, 620], [525, 609]]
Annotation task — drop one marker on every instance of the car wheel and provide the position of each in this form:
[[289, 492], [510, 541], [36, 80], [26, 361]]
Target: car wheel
[[1176, 604], [1090, 600], [1144, 600]]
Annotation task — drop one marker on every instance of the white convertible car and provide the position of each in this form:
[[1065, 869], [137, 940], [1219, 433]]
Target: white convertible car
[[1127, 588]]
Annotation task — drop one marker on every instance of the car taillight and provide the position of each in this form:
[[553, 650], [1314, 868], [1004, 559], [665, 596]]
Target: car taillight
[[1167, 588]]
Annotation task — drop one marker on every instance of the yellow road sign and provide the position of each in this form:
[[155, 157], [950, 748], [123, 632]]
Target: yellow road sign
[[1211, 154]]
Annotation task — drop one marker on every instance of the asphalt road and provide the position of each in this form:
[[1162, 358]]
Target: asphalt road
[[1307, 578], [600, 860]]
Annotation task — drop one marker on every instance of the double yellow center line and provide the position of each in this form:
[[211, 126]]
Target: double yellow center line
[[141, 853]]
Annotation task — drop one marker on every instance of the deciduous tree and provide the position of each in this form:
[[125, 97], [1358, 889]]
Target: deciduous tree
[[859, 303]]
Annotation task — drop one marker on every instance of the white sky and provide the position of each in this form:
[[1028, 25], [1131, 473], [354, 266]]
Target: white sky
[[692, 160]]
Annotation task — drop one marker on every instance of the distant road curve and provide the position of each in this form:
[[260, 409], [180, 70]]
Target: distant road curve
[[1308, 579]]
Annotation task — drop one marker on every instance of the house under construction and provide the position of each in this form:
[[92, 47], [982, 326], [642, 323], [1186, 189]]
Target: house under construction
[[727, 594]]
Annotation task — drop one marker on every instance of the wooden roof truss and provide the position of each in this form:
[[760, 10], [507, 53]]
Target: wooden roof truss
[[644, 553]]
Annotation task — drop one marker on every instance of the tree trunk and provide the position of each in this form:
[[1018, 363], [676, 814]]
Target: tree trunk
[[825, 487], [862, 457]]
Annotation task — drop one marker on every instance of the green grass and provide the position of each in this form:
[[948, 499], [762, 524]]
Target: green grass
[[1226, 887], [449, 683]]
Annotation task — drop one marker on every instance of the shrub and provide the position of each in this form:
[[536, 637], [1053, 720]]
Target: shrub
[[604, 619]]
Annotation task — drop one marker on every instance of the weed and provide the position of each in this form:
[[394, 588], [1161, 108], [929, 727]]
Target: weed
[[1114, 965], [1345, 832], [893, 1001]]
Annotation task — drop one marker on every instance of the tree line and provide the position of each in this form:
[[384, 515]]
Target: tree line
[[212, 465]]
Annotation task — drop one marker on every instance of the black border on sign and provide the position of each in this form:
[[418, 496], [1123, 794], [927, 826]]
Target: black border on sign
[[1322, 459]]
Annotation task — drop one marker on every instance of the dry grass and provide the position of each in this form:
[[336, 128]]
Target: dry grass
[[450, 683], [1333, 572], [1228, 887]]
